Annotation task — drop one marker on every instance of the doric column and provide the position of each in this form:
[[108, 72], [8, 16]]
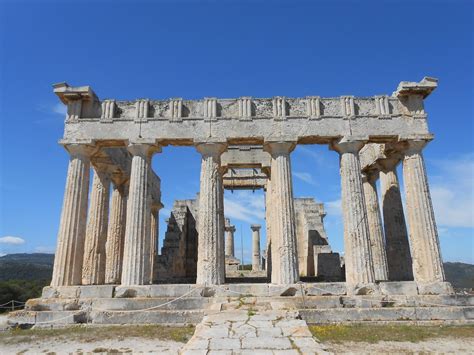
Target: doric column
[[70, 246], [93, 267], [427, 262], [284, 224], [357, 253], [256, 258], [155, 210], [229, 241], [116, 234], [268, 224], [137, 248], [374, 220], [396, 235], [211, 262]]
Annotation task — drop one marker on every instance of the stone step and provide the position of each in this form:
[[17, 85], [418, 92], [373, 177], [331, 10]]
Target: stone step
[[165, 303], [61, 318], [331, 315]]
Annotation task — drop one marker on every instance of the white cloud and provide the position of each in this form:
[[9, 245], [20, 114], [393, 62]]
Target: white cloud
[[12, 240], [334, 208], [306, 177], [452, 191], [245, 206], [45, 249], [59, 108]]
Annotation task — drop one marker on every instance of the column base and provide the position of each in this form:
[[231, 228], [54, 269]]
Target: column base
[[435, 288]]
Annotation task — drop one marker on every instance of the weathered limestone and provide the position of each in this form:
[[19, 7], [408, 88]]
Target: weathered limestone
[[70, 248], [358, 256], [229, 240], [116, 234], [136, 259], [210, 266], [396, 236], [427, 262], [256, 258], [93, 268], [374, 220], [285, 265], [154, 222]]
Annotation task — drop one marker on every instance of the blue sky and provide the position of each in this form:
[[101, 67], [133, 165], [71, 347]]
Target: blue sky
[[193, 49]]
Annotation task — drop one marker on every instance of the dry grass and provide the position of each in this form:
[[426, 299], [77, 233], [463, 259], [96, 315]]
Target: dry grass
[[370, 333], [93, 334]]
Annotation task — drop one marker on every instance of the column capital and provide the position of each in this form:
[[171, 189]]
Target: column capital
[[276, 148], [82, 150], [143, 148], [255, 227], [212, 148], [230, 229], [414, 146], [348, 144], [370, 176]]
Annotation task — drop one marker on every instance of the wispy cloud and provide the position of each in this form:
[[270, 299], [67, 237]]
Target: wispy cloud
[[59, 108], [334, 208], [452, 191], [10, 240], [245, 206], [306, 177], [45, 249]]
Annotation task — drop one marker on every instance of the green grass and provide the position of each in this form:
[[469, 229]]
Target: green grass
[[374, 333], [91, 334]]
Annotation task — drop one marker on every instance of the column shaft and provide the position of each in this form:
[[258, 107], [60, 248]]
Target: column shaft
[[427, 261], [116, 235], [284, 227], [136, 257], [357, 253], [374, 220], [67, 268], [93, 268], [211, 262], [256, 258], [396, 236], [154, 240], [229, 242]]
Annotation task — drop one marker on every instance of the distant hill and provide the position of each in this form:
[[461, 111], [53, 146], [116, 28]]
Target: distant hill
[[36, 266], [39, 266]]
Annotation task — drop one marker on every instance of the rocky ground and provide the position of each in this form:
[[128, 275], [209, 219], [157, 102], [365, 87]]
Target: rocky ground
[[242, 332]]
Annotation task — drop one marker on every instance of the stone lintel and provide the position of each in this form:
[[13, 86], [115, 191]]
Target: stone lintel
[[68, 93], [424, 87], [348, 144]]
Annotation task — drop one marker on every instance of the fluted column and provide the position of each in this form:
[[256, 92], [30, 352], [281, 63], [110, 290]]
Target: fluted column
[[256, 258], [229, 241], [268, 224], [427, 261], [374, 219], [137, 248], [211, 263], [284, 224], [67, 268], [155, 210], [357, 252], [116, 234], [93, 268], [396, 236]]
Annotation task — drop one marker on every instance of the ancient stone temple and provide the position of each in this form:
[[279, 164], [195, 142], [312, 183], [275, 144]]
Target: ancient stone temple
[[107, 244]]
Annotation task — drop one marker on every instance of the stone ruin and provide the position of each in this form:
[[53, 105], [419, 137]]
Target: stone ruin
[[107, 269]]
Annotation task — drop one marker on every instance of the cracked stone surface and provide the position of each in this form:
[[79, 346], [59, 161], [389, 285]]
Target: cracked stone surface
[[249, 332]]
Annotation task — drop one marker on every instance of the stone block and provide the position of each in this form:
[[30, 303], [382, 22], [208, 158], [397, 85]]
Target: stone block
[[224, 344], [132, 291], [326, 289], [363, 289], [266, 343], [49, 292], [407, 288], [236, 290], [436, 288], [96, 291], [328, 266], [176, 290]]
